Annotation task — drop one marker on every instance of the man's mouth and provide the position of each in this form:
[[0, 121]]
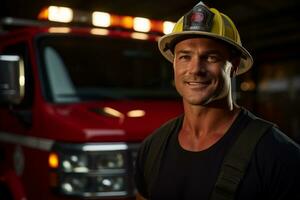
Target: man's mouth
[[197, 83]]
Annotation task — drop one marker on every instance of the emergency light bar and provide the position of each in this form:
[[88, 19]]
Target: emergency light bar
[[103, 19]]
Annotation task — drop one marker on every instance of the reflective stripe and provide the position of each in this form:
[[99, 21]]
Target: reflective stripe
[[28, 141]]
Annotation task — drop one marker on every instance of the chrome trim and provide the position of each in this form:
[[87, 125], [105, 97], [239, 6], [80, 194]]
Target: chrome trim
[[22, 80], [105, 147], [28, 141], [94, 172], [105, 194]]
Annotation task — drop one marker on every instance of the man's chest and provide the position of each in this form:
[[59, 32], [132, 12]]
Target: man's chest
[[187, 175]]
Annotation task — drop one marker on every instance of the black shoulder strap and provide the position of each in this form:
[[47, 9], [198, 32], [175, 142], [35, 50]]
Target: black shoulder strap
[[155, 153], [236, 160]]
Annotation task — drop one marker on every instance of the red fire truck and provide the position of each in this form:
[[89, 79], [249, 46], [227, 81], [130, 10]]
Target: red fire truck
[[76, 101]]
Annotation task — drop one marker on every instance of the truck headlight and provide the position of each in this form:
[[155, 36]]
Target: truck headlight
[[74, 162], [94, 170], [110, 161], [110, 183], [72, 184]]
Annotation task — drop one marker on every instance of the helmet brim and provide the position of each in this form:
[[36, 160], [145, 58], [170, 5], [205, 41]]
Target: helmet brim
[[165, 41]]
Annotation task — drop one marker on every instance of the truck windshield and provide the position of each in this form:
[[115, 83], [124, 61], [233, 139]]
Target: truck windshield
[[77, 68]]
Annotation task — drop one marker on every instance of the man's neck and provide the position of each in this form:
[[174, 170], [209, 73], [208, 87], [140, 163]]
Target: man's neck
[[205, 125]]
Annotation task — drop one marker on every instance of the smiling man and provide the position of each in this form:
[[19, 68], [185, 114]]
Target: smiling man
[[216, 149]]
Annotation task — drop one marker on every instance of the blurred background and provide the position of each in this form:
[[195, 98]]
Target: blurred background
[[270, 30]]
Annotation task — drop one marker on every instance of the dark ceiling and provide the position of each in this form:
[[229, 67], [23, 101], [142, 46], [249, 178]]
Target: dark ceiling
[[262, 23]]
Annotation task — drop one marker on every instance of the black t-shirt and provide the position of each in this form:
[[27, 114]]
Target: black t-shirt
[[273, 172]]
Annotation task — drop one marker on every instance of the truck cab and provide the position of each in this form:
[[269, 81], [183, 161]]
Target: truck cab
[[75, 103]]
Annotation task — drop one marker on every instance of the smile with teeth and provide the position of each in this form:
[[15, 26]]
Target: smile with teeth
[[197, 83]]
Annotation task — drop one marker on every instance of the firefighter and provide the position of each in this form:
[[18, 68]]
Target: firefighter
[[216, 149]]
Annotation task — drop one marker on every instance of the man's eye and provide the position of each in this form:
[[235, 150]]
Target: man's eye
[[212, 59], [184, 57]]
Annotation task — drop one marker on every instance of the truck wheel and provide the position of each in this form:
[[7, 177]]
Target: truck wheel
[[5, 193]]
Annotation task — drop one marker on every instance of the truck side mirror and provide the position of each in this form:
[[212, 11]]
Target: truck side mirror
[[12, 79]]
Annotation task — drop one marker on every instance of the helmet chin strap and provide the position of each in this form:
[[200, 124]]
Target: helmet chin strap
[[226, 90]]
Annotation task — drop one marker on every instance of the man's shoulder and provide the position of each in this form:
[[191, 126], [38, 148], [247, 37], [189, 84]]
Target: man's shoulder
[[274, 143], [163, 131], [251, 116], [274, 164], [279, 144]]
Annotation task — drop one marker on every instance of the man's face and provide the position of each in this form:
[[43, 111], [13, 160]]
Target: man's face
[[202, 70]]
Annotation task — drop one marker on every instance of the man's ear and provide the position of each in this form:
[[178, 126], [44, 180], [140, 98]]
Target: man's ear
[[235, 65]]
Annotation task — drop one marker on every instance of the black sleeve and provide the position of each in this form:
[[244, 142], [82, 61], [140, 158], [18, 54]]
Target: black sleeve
[[274, 170], [139, 171], [283, 178]]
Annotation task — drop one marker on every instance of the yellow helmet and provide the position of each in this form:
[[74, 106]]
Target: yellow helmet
[[208, 22]]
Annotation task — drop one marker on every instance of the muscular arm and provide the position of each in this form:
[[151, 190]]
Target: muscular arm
[[139, 197]]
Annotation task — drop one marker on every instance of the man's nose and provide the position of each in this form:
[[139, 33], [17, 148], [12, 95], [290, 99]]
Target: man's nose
[[198, 66]]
